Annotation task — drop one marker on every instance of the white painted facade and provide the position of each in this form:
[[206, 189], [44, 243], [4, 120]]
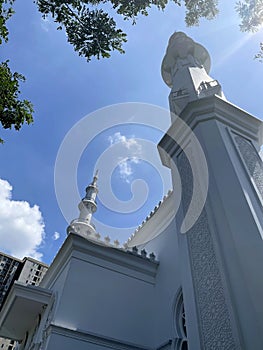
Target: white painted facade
[[115, 306]]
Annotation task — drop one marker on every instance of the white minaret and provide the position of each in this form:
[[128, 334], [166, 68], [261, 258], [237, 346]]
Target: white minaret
[[87, 207], [221, 254]]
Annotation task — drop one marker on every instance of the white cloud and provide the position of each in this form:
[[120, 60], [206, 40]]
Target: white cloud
[[130, 143], [56, 236], [21, 226], [125, 167], [134, 148]]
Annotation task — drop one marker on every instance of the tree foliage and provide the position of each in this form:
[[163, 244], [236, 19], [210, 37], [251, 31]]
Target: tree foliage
[[93, 32], [6, 12], [89, 28], [200, 9], [251, 14], [13, 111]]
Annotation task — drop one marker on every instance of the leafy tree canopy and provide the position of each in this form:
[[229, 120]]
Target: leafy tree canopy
[[94, 33], [13, 111]]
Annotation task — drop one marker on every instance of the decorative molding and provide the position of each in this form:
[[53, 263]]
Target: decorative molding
[[203, 110], [179, 323], [92, 338], [214, 319], [103, 341], [142, 254], [156, 208], [110, 258], [215, 107], [252, 161], [155, 223]]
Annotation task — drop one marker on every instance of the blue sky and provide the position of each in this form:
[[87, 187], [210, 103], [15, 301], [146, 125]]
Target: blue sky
[[64, 88]]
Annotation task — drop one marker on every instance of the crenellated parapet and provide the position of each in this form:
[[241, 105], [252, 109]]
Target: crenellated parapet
[[136, 236]]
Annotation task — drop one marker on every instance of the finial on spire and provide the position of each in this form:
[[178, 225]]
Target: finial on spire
[[95, 178]]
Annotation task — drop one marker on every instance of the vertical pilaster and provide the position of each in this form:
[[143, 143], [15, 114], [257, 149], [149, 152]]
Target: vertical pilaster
[[222, 253]]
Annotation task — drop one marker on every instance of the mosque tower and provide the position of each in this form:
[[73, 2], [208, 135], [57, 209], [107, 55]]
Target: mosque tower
[[87, 207], [214, 146]]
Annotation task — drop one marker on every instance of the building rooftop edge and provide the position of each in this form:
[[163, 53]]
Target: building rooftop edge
[[152, 213], [11, 257], [118, 256]]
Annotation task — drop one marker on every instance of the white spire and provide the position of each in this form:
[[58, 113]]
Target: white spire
[[87, 208]]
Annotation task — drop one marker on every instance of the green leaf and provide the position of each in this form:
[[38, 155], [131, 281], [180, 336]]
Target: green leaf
[[251, 14], [13, 112]]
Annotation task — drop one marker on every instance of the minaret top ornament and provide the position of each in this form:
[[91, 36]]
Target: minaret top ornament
[[185, 70], [87, 207]]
